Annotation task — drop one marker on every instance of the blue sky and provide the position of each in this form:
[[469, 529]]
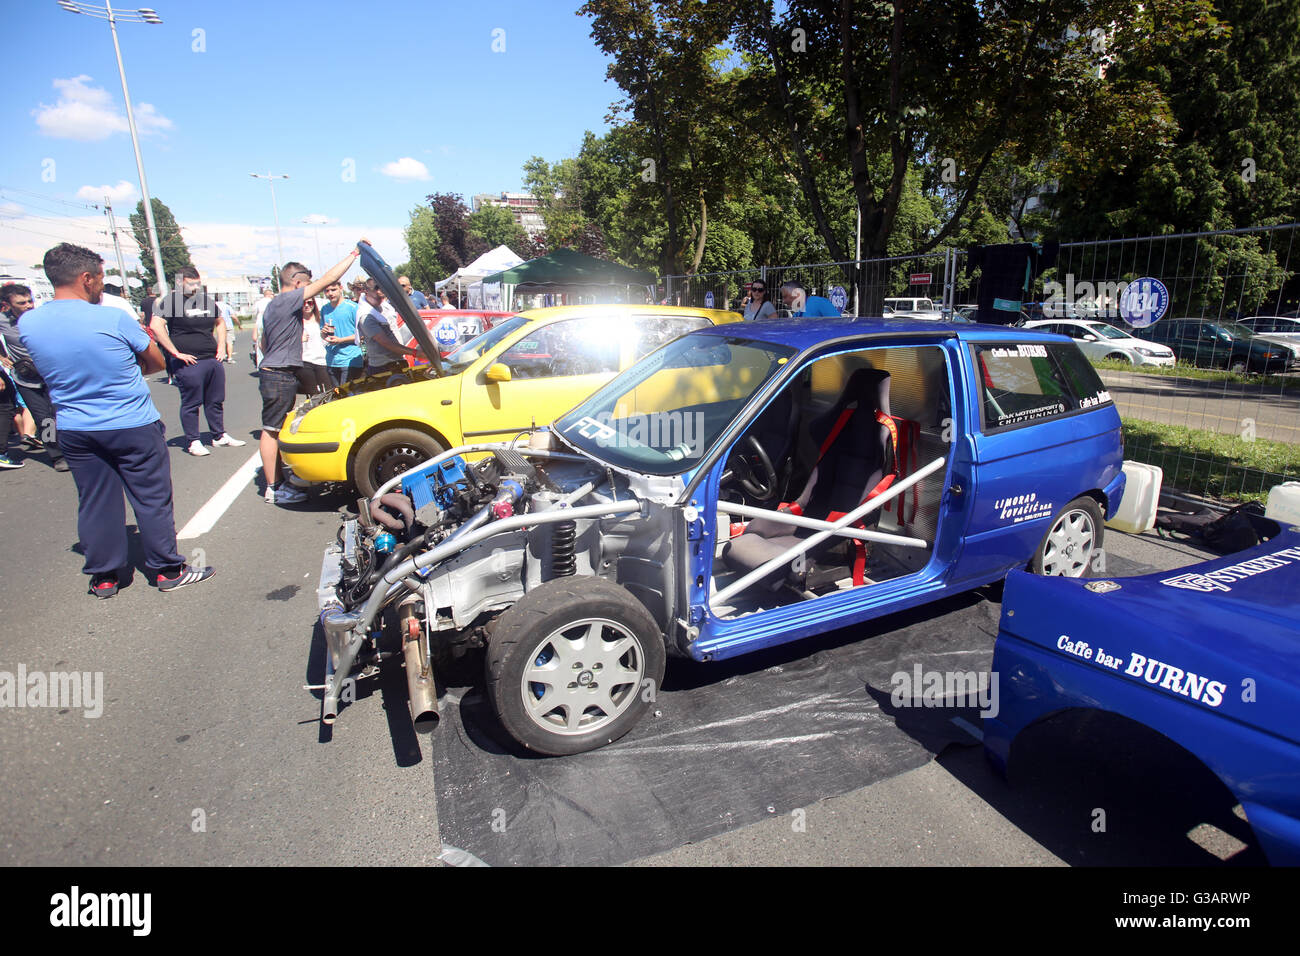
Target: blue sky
[[391, 90]]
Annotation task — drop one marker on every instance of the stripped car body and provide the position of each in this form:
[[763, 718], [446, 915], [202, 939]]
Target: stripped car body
[[1214, 667], [737, 489]]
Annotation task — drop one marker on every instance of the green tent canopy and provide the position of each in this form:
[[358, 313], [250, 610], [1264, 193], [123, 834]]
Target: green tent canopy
[[567, 270]]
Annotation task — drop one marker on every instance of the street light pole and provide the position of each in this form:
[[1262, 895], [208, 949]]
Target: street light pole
[[271, 178], [315, 228], [143, 15]]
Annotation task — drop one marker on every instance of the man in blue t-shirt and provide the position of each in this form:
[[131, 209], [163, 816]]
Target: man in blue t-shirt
[[805, 306], [343, 356], [91, 359], [415, 295]]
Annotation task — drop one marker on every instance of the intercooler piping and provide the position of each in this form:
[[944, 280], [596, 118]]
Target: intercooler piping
[[457, 543]]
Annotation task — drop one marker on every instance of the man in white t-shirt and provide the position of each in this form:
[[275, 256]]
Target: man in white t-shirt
[[258, 309], [227, 316]]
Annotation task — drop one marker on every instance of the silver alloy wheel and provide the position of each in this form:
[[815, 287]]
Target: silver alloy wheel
[[583, 676], [1070, 543]]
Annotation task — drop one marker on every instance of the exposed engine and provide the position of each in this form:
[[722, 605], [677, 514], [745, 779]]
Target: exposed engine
[[441, 552]]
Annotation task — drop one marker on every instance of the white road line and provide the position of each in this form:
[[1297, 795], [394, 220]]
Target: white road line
[[206, 517]]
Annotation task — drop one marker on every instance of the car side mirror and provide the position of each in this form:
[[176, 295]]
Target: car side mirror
[[1090, 338], [498, 372]]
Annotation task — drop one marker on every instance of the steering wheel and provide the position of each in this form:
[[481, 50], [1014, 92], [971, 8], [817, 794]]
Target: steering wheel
[[754, 469]]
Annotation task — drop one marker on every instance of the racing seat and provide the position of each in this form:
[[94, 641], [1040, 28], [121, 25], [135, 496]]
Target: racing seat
[[857, 460]]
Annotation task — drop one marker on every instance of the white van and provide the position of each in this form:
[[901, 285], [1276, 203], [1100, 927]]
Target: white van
[[910, 305]]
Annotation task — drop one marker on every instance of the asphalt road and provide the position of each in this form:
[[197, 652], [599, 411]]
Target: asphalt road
[[1230, 408], [209, 750]]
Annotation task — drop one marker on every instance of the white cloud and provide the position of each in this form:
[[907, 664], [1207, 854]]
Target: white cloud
[[123, 193], [406, 169], [10, 209], [88, 113], [316, 219], [219, 249]]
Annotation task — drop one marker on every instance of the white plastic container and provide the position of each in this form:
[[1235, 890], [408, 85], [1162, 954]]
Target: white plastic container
[[1137, 509], [1284, 503]]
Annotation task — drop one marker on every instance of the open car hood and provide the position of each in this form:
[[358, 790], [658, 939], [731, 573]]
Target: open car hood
[[375, 267]]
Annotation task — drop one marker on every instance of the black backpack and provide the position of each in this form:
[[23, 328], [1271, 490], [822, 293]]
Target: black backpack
[[1240, 528]]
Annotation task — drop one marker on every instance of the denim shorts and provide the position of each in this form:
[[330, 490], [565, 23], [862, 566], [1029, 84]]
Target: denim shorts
[[279, 388]]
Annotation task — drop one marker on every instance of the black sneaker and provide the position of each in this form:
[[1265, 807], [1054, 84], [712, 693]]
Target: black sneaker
[[103, 585], [32, 443], [10, 463], [61, 464], [186, 576]]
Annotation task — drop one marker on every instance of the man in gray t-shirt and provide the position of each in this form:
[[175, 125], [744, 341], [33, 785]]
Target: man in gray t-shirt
[[383, 349], [281, 358]]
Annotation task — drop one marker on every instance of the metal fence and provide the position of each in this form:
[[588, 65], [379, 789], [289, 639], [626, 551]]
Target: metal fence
[[1223, 423]]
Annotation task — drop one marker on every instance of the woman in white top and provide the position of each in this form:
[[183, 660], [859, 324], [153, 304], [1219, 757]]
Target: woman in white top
[[314, 376], [758, 304]]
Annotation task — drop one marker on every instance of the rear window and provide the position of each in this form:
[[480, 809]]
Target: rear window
[[1023, 382]]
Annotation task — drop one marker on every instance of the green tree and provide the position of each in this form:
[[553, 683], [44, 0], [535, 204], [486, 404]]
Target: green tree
[[175, 253], [423, 242], [457, 246], [495, 226]]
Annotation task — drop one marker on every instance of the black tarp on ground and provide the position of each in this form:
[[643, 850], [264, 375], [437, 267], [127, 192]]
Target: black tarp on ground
[[723, 746]]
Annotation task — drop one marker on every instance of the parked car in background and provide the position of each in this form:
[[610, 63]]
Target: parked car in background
[[1275, 328], [1098, 340], [520, 374], [450, 328], [1209, 344], [919, 307], [970, 313]]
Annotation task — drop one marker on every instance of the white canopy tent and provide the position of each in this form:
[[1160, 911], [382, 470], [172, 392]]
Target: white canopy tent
[[469, 278]]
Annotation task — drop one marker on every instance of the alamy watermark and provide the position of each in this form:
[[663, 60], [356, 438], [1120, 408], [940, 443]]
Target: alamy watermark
[[921, 688], [680, 434], [1082, 300], [72, 690]]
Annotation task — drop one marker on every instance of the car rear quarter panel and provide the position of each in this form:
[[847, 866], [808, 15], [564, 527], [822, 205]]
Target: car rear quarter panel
[[1025, 474]]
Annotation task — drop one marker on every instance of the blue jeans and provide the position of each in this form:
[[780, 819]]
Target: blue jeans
[[106, 463], [340, 374]]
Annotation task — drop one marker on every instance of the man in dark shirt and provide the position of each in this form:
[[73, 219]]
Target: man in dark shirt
[[281, 359], [15, 300], [190, 329]]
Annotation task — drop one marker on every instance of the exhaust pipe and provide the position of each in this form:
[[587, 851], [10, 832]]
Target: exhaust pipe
[[341, 645], [423, 697]]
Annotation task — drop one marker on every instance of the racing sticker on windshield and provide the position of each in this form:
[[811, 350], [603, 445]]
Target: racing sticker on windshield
[[1218, 580], [1020, 351], [1032, 414], [1154, 672], [1020, 508]]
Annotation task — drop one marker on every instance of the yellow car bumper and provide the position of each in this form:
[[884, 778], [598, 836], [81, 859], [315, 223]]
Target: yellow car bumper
[[315, 456]]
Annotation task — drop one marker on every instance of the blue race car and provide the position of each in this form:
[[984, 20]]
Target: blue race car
[[734, 490], [1207, 655]]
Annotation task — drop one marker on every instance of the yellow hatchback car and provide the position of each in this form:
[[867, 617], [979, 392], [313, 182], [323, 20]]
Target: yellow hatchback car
[[527, 370]]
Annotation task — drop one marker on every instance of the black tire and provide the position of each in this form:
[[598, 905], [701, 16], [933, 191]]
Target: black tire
[[1238, 366], [527, 633], [1120, 357], [389, 453], [1080, 516]]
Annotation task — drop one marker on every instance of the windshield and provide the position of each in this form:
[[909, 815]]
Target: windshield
[[1236, 330], [664, 413], [470, 352], [1107, 331]]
